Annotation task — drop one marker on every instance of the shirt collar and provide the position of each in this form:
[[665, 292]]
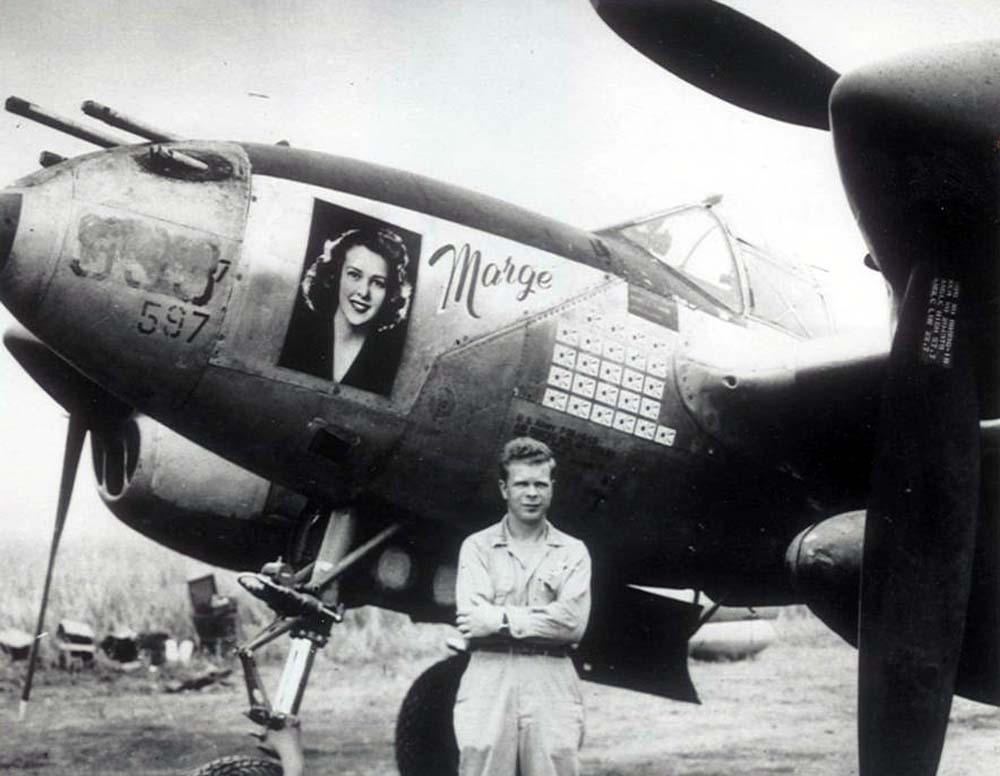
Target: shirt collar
[[501, 536]]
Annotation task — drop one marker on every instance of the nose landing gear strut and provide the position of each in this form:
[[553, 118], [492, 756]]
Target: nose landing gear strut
[[307, 606]]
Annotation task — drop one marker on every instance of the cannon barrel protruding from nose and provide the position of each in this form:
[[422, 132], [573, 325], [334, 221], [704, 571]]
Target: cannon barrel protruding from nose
[[115, 119], [28, 110]]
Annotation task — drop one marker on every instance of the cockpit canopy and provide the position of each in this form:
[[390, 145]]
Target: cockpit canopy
[[694, 242]]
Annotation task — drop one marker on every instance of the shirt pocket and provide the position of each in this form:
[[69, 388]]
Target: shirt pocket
[[550, 578]]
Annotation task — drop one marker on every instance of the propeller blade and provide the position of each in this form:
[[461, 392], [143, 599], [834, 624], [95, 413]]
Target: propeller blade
[[74, 393], [916, 144], [979, 669], [75, 435], [920, 538], [728, 55]]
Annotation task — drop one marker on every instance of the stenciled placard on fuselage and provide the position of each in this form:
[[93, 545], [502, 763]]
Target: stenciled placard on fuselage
[[461, 283]]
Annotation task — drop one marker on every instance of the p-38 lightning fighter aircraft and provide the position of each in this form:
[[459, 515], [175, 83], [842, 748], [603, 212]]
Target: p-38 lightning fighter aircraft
[[712, 431]]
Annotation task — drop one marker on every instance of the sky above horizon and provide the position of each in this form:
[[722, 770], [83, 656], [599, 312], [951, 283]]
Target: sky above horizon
[[535, 103]]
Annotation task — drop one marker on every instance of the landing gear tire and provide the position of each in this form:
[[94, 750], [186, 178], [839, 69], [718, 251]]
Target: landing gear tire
[[239, 766], [425, 735]]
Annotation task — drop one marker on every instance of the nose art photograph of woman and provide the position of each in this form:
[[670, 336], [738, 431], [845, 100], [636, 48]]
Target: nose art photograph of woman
[[353, 300]]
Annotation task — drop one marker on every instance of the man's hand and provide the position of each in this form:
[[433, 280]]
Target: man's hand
[[479, 621]]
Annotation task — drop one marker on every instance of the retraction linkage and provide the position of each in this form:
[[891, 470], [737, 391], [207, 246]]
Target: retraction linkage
[[307, 605]]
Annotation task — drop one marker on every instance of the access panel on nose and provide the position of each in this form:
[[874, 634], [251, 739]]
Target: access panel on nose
[[148, 262]]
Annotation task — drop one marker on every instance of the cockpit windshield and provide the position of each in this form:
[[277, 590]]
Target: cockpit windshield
[[692, 241], [784, 295]]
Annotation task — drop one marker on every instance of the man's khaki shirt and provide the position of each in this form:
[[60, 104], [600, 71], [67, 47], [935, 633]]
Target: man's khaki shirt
[[546, 599]]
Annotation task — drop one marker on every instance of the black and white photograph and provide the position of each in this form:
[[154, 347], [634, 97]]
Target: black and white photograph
[[354, 298], [570, 388]]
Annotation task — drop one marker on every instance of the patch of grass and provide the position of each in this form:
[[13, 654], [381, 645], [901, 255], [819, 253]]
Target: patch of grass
[[129, 581], [797, 626], [132, 582]]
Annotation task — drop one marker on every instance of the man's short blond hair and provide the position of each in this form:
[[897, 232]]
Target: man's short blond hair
[[527, 450]]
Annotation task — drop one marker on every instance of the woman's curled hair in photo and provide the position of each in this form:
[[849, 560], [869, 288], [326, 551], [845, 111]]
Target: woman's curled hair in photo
[[320, 284]]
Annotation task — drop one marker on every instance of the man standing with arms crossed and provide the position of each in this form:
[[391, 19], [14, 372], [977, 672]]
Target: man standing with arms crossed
[[523, 599]]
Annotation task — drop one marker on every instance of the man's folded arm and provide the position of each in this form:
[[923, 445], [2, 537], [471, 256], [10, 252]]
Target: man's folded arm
[[564, 620], [473, 586]]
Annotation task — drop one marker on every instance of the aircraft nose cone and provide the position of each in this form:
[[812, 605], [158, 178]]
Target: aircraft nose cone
[[33, 215], [10, 214]]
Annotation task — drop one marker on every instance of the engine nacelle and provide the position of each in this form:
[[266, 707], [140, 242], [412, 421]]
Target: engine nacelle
[[190, 499], [825, 564]]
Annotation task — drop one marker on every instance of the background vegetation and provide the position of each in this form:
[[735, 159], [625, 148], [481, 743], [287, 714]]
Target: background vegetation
[[129, 582]]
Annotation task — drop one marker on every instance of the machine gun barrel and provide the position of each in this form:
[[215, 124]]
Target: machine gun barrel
[[121, 121], [30, 111]]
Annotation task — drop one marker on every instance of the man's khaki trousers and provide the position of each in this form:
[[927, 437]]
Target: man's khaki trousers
[[519, 714]]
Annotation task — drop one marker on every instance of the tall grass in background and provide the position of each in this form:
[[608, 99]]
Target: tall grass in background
[[797, 626], [130, 582]]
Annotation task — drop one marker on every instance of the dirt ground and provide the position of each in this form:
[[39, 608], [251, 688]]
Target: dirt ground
[[789, 711]]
